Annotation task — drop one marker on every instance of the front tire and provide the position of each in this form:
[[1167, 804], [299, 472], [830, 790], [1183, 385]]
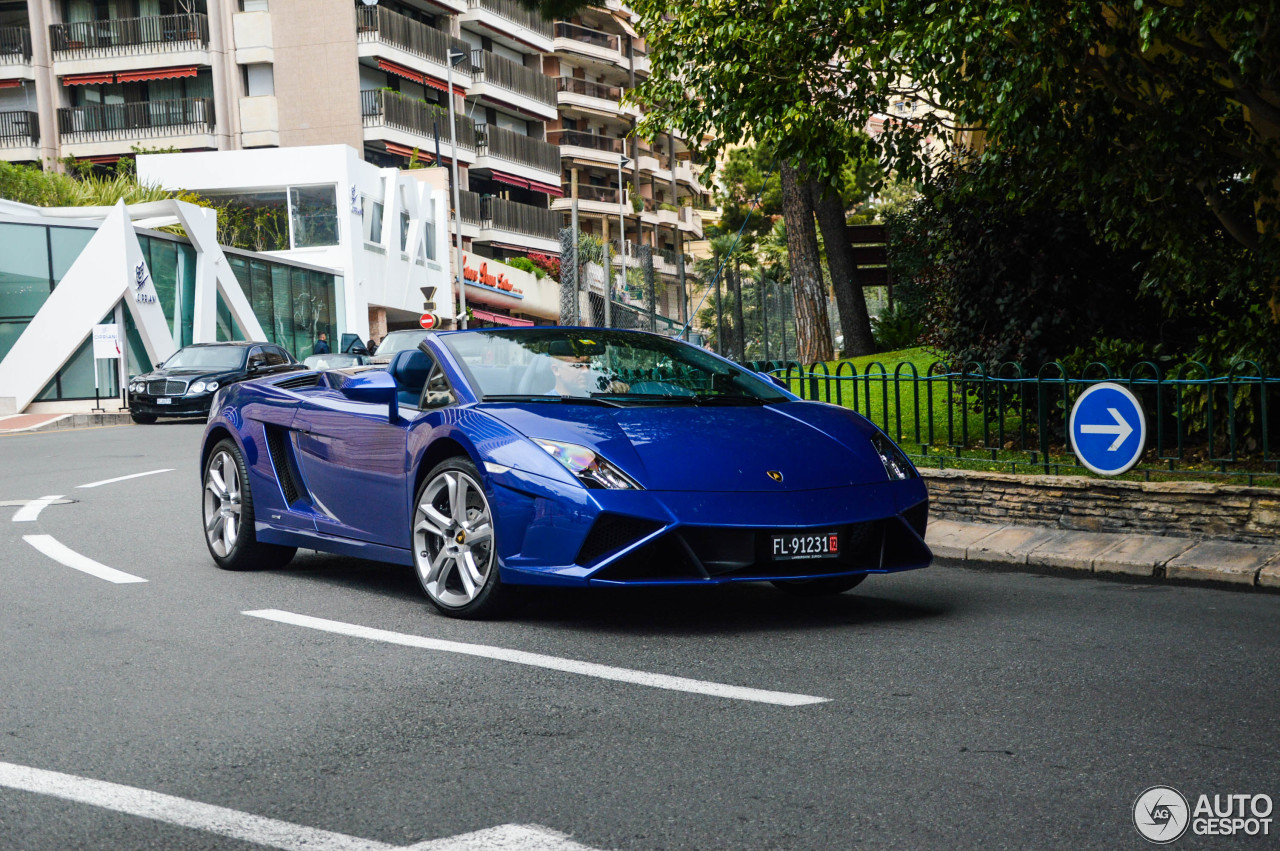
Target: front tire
[[228, 515], [822, 587], [142, 419], [454, 552]]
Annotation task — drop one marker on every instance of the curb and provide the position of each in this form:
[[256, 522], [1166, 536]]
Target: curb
[[1115, 555], [58, 422]]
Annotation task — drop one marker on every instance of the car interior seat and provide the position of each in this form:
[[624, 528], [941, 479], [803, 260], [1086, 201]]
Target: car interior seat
[[410, 369]]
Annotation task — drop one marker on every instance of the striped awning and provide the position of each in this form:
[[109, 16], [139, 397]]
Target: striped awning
[[155, 74], [10, 84], [499, 318], [441, 85], [418, 77], [87, 79], [511, 179], [547, 188], [423, 156]]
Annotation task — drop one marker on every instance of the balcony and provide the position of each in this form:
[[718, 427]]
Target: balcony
[[510, 84], [15, 46], [129, 36], [19, 136], [521, 226], [375, 24], [597, 97], [507, 151], [100, 129], [576, 144], [583, 41], [411, 123], [508, 20]]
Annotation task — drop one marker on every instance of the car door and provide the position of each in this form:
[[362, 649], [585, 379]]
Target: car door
[[354, 465]]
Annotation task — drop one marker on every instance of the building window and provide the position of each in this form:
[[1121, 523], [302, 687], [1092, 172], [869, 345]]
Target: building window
[[404, 231], [313, 215], [371, 220]]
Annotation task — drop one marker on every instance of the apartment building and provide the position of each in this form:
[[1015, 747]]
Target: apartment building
[[538, 119]]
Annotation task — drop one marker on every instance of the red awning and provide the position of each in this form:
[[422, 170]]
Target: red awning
[[155, 74], [10, 84], [400, 70], [102, 159], [503, 177], [522, 249], [441, 85], [87, 79], [501, 319], [424, 156], [548, 188]]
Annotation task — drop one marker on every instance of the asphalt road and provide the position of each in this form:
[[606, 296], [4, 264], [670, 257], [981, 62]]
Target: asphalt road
[[962, 708]]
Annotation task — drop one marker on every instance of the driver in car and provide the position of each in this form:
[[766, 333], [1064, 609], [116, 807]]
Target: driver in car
[[575, 375]]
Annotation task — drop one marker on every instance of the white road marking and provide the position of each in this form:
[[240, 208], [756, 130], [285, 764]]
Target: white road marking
[[55, 550], [257, 829], [32, 509], [555, 663], [122, 478]]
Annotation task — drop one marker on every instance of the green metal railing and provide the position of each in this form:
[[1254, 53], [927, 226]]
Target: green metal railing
[[1198, 424]]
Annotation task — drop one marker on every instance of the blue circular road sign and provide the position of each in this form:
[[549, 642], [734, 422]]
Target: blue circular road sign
[[1108, 429]]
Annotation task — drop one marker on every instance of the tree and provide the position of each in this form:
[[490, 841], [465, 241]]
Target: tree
[[1163, 117], [813, 333]]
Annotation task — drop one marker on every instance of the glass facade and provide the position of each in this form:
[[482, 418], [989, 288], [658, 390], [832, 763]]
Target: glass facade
[[293, 304]]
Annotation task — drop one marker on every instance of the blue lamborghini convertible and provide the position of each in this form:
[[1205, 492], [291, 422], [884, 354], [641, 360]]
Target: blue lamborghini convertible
[[495, 458]]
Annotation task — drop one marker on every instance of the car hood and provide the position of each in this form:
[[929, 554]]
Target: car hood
[[712, 448]]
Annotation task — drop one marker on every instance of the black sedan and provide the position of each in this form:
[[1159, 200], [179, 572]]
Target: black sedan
[[183, 386]]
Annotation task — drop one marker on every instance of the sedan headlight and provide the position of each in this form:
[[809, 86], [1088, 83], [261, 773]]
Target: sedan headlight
[[198, 387], [211, 386], [895, 461], [591, 469]]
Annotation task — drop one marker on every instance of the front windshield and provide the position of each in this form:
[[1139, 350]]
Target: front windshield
[[206, 357], [618, 367], [399, 341], [331, 361]]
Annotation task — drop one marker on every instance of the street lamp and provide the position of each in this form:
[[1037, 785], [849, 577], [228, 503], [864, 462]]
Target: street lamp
[[623, 162], [455, 58]]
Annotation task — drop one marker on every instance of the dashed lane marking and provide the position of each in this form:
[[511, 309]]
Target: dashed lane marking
[[57, 551], [555, 663], [32, 509], [258, 829], [122, 478]]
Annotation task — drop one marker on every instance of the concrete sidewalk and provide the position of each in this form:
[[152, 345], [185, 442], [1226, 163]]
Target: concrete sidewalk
[[1151, 556], [19, 423]]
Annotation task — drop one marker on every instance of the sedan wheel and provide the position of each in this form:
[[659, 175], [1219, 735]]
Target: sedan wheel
[[453, 542], [228, 515]]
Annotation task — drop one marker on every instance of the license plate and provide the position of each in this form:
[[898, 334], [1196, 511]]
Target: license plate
[[164, 400], [805, 545]]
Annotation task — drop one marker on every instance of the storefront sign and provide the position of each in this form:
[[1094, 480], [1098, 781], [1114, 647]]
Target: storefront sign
[[106, 342], [497, 283]]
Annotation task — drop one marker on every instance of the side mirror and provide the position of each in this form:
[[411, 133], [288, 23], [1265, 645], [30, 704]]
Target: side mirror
[[157, 365], [376, 387]]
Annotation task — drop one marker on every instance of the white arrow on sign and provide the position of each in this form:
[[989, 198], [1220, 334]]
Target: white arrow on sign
[[1121, 429]]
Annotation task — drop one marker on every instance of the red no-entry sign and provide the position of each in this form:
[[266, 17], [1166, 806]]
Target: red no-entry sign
[[429, 321]]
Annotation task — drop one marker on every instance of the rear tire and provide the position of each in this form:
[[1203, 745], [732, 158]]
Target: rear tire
[[228, 515], [142, 419], [822, 587], [455, 553]]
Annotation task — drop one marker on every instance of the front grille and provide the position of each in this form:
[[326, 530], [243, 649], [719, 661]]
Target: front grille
[[611, 533], [167, 387]]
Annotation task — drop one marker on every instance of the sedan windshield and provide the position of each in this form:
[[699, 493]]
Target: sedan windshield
[[607, 366], [206, 357], [331, 361], [399, 341]]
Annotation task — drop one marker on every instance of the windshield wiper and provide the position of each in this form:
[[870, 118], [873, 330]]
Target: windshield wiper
[[728, 400], [647, 398], [550, 397]]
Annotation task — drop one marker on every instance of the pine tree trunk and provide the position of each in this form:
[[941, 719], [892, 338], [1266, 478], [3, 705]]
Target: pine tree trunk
[[855, 323], [739, 324], [813, 334]]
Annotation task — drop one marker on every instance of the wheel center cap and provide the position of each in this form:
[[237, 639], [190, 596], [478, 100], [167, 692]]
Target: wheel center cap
[[461, 537]]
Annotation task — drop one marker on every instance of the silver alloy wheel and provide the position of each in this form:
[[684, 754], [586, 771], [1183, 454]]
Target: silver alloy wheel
[[453, 539], [222, 503]]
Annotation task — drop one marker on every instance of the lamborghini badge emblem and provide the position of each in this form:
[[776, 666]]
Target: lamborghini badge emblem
[[775, 475]]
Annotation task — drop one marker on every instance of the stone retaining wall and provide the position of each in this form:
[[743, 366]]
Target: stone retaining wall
[[1187, 509]]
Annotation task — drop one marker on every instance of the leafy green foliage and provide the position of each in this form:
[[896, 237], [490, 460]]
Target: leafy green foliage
[[896, 328], [30, 185], [526, 265]]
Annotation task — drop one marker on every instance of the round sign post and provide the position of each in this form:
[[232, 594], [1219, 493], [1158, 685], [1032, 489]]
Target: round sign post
[[1108, 429], [429, 321]]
